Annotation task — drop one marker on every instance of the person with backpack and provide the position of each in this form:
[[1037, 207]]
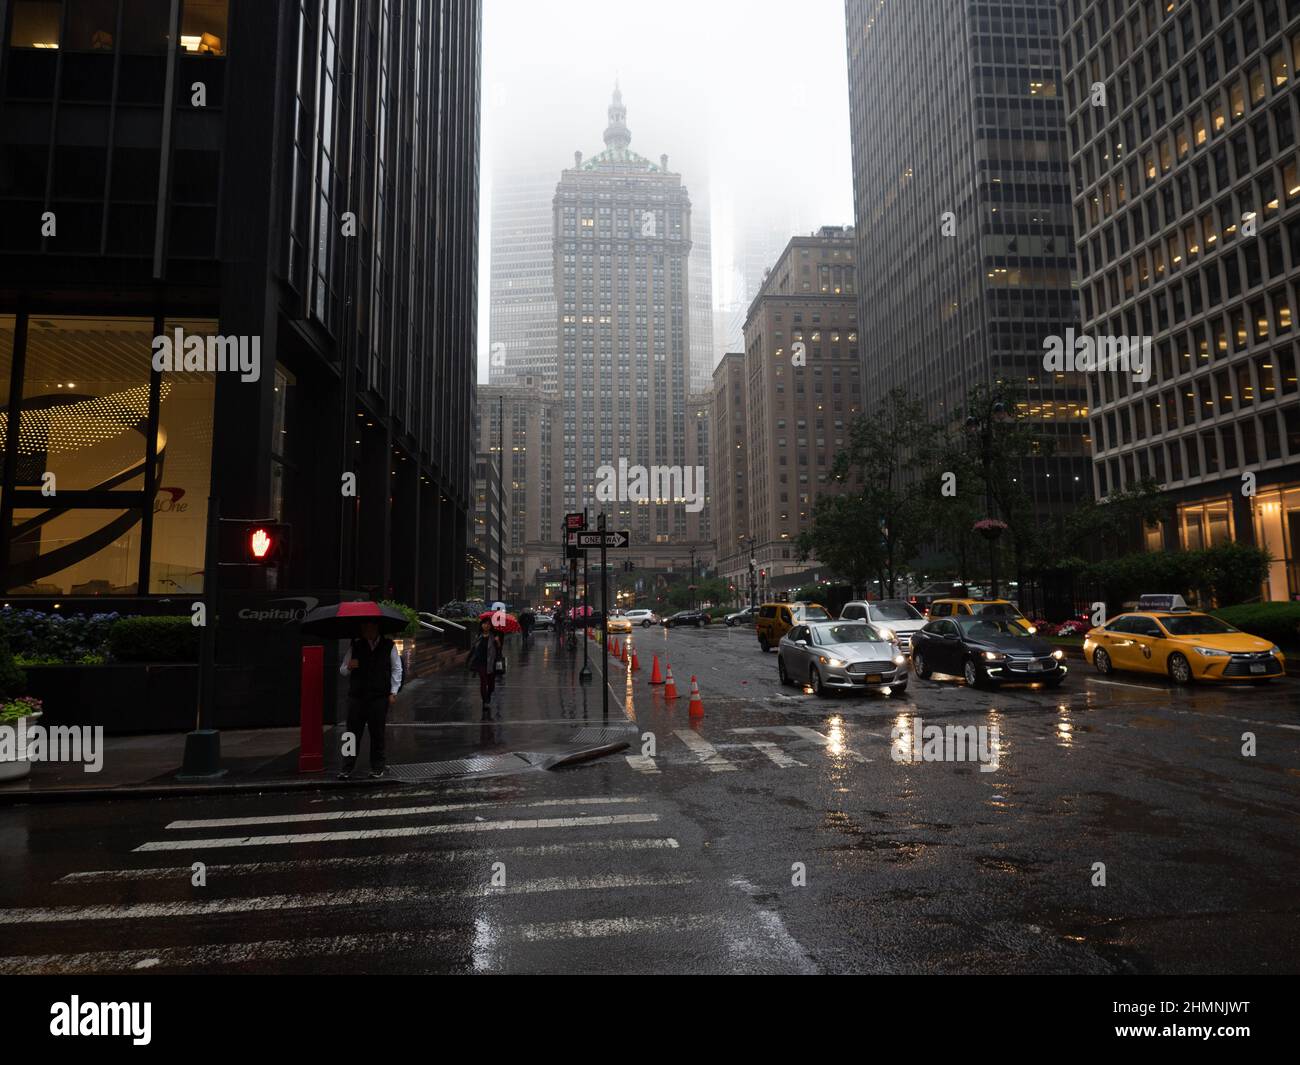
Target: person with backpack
[[487, 659], [374, 671]]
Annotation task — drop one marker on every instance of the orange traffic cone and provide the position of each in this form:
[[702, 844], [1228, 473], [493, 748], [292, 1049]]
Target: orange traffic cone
[[670, 688], [655, 676], [697, 707], [636, 663], [619, 645]]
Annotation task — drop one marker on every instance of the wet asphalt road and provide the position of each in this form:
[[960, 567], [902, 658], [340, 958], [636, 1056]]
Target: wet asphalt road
[[777, 834]]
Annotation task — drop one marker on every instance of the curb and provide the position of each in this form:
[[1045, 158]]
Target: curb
[[163, 791], [588, 755]]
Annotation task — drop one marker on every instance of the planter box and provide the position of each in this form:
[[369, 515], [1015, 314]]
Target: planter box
[[20, 766]]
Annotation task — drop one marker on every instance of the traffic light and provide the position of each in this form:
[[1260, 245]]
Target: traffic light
[[266, 543]]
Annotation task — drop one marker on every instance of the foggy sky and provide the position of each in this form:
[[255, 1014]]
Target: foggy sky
[[748, 99]]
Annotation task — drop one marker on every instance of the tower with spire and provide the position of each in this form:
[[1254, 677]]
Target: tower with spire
[[621, 251]]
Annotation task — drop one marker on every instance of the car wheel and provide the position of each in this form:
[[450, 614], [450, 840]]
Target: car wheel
[[645, 624], [920, 668], [1102, 661], [1056, 682], [815, 679], [896, 690], [762, 645], [1180, 670], [780, 671], [729, 623], [973, 676]]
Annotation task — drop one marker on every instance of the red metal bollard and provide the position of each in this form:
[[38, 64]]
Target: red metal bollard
[[311, 751]]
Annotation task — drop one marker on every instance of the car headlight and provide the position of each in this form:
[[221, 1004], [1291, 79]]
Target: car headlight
[[1058, 655], [887, 633], [899, 660], [835, 662], [1275, 650], [993, 656], [1211, 652], [1033, 629]]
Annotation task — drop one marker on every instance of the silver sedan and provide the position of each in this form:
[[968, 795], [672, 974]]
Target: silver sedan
[[829, 655]]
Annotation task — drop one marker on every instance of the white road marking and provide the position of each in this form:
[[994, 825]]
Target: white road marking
[[395, 833], [642, 763], [385, 896], [775, 934], [207, 956], [704, 751], [390, 811], [371, 861], [775, 753], [816, 737], [1124, 684]]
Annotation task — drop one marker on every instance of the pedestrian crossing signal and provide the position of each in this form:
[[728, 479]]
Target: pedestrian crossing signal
[[266, 543]]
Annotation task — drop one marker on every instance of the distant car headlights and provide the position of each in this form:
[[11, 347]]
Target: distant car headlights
[[1058, 655], [1212, 652]]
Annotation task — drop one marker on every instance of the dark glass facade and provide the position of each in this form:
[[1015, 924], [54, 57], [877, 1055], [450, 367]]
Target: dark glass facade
[[1187, 209], [300, 174], [961, 191]]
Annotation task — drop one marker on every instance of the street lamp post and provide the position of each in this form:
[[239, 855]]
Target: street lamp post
[[753, 574], [981, 428], [692, 587]]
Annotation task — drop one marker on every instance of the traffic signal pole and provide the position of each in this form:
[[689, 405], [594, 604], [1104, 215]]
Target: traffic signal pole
[[203, 746], [604, 621]]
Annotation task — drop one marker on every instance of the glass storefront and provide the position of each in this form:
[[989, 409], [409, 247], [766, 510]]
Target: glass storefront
[[96, 507], [1277, 530], [1206, 523]]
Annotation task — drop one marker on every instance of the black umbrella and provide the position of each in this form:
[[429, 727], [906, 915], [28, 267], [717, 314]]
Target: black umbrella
[[344, 620]]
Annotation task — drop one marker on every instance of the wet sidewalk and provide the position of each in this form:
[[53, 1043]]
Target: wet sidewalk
[[540, 717]]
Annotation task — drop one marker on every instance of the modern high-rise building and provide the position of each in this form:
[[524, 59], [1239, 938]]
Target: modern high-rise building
[[1182, 125], [184, 180], [701, 300], [962, 197], [803, 388], [622, 289], [521, 322]]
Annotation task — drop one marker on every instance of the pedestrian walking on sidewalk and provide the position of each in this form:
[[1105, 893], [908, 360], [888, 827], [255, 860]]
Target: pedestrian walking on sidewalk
[[487, 659], [374, 671]]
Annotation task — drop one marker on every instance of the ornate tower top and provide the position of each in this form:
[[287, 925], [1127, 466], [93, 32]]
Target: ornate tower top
[[617, 135]]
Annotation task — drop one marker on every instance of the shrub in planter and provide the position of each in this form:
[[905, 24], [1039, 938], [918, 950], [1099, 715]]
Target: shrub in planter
[[412, 616], [1279, 622], [154, 639], [12, 679], [39, 636]]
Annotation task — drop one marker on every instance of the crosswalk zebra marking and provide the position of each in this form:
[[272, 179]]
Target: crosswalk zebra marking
[[391, 811], [372, 861], [704, 751], [642, 763], [396, 833], [385, 896], [775, 753]]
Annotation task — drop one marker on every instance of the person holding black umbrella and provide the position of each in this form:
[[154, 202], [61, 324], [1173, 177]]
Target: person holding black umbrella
[[374, 671]]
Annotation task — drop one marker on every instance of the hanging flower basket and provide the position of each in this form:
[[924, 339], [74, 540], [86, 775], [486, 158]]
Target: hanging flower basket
[[989, 528]]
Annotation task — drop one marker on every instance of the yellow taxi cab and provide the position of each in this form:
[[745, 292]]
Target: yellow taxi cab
[[966, 608], [619, 624], [1164, 636], [774, 620]]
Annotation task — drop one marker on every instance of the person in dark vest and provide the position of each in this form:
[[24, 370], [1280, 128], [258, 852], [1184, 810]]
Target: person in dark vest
[[483, 659], [374, 671]]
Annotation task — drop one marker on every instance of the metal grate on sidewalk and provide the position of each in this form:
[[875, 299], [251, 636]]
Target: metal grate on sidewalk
[[457, 767]]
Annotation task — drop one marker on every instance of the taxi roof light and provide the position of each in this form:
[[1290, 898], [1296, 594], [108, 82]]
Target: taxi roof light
[[1170, 603]]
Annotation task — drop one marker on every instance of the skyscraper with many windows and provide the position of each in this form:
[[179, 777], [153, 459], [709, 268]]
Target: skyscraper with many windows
[[962, 197], [521, 323], [622, 246], [1182, 124]]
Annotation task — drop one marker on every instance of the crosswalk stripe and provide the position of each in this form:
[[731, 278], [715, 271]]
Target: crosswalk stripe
[[371, 861], [206, 956], [775, 753], [385, 896], [704, 751], [390, 811], [642, 763], [804, 732], [396, 833]]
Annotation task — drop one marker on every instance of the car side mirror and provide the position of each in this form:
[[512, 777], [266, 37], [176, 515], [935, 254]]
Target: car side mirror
[[801, 643]]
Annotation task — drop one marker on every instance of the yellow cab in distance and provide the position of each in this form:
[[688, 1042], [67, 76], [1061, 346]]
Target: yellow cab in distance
[[966, 608], [619, 625], [776, 619], [1164, 636]]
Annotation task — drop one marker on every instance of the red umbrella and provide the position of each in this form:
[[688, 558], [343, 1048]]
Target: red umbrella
[[343, 620], [511, 622]]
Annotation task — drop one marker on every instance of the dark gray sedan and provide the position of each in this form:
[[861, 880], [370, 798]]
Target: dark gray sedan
[[832, 655]]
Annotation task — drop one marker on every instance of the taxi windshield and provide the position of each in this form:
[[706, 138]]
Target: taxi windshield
[[998, 610], [1195, 625], [991, 627], [850, 634]]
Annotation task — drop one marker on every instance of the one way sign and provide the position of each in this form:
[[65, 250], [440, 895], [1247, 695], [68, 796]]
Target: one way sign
[[592, 539]]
